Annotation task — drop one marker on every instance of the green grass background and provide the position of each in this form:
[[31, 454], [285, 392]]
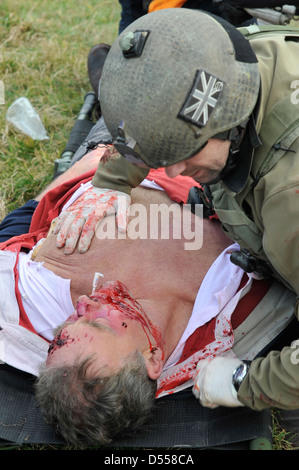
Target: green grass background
[[43, 56], [44, 46]]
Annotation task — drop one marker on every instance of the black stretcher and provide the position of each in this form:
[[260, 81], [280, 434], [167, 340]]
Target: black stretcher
[[179, 422]]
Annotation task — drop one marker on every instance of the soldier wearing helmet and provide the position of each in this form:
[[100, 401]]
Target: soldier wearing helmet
[[183, 90]]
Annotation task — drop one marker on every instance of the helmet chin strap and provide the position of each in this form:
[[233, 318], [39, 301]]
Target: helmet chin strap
[[235, 135]]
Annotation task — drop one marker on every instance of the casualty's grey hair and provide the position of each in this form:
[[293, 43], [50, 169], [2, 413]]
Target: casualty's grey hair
[[88, 410]]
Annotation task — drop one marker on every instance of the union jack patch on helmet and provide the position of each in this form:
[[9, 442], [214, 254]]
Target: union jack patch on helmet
[[202, 98]]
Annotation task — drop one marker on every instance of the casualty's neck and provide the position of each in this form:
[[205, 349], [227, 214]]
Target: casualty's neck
[[168, 321]]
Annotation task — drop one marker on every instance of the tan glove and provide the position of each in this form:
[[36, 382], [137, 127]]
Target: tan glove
[[213, 382], [77, 224]]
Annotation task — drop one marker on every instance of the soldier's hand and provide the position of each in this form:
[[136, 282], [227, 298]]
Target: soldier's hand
[[77, 224], [213, 384]]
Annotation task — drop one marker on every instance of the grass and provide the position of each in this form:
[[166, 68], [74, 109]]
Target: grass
[[43, 54], [281, 438]]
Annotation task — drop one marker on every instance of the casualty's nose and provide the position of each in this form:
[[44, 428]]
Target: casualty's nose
[[82, 304], [86, 304]]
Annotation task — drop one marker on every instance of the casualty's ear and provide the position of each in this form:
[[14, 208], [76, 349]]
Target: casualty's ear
[[153, 362]]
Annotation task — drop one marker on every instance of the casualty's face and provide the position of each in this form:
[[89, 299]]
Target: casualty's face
[[206, 165], [110, 324]]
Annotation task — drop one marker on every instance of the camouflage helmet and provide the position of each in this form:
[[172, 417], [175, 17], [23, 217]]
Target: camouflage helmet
[[173, 79]]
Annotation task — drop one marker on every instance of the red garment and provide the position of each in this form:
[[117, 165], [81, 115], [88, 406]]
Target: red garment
[[177, 188]]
